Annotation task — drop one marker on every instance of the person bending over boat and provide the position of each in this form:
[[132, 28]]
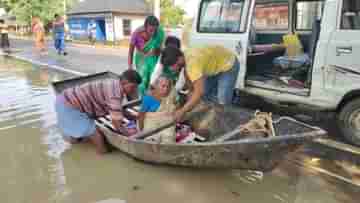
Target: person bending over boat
[[79, 106], [157, 108], [210, 73], [160, 70]]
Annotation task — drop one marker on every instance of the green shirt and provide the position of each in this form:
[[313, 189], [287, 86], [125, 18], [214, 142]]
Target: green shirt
[[172, 75]]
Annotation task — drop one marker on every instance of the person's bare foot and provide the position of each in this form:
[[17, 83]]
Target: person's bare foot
[[99, 141]]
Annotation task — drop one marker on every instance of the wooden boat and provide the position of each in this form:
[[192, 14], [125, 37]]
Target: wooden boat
[[226, 150]]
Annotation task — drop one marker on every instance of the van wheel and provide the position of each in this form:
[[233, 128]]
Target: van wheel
[[349, 121]]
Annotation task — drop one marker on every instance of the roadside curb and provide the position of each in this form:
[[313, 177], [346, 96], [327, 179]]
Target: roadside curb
[[77, 44], [56, 67], [115, 48]]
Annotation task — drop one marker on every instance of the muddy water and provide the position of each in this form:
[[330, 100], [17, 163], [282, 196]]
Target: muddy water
[[38, 166]]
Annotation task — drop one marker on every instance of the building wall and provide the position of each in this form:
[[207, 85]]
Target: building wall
[[118, 28], [114, 25], [109, 28], [135, 22], [78, 26]]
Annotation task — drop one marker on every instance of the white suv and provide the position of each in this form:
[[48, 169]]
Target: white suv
[[326, 77]]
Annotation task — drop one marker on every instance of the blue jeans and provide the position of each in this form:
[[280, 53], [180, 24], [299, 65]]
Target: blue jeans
[[72, 122], [220, 88], [59, 42]]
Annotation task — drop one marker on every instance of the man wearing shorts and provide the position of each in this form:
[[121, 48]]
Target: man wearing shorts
[[79, 106]]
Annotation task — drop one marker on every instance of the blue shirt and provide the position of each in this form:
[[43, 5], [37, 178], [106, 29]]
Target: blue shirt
[[59, 31], [59, 28], [149, 104]]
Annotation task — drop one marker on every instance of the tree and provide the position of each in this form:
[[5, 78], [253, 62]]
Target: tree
[[23, 10], [5, 4], [170, 15]]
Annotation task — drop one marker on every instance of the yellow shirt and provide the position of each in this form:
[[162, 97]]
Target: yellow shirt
[[208, 61]]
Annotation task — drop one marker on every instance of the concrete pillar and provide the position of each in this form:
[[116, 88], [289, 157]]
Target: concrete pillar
[[157, 8]]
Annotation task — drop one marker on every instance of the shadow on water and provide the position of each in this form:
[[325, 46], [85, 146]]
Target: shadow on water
[[41, 167]]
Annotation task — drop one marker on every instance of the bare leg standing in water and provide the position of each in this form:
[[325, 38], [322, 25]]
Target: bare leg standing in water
[[99, 141]]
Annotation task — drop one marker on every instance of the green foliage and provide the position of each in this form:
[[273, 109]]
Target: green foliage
[[45, 9], [24, 9], [171, 15], [5, 4]]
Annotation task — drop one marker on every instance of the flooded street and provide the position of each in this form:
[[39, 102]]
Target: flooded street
[[38, 166]]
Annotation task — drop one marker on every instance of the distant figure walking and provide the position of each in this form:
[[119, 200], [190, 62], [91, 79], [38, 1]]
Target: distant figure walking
[[39, 35], [4, 42], [59, 34], [92, 32]]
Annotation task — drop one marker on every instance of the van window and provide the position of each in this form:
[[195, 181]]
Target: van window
[[350, 18], [272, 16], [220, 16], [306, 13]]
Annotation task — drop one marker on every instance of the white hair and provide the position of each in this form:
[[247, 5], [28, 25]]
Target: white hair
[[161, 77]]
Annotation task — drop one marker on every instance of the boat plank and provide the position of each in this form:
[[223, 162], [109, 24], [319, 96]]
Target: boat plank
[[227, 136]]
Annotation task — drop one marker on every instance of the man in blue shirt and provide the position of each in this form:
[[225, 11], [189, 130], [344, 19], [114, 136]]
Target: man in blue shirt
[[59, 34], [92, 32]]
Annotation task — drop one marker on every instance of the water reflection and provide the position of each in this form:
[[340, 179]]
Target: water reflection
[[27, 123], [41, 167]]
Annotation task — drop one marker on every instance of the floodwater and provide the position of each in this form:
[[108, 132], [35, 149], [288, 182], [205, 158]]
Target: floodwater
[[38, 166]]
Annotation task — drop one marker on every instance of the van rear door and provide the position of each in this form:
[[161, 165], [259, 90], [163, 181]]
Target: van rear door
[[343, 61], [226, 23]]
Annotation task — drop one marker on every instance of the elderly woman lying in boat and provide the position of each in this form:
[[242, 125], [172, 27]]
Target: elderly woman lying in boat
[[157, 107], [151, 101]]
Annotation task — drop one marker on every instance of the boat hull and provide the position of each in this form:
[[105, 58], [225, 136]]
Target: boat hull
[[262, 154], [251, 152]]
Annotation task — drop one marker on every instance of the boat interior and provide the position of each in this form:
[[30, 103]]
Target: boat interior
[[225, 128]]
